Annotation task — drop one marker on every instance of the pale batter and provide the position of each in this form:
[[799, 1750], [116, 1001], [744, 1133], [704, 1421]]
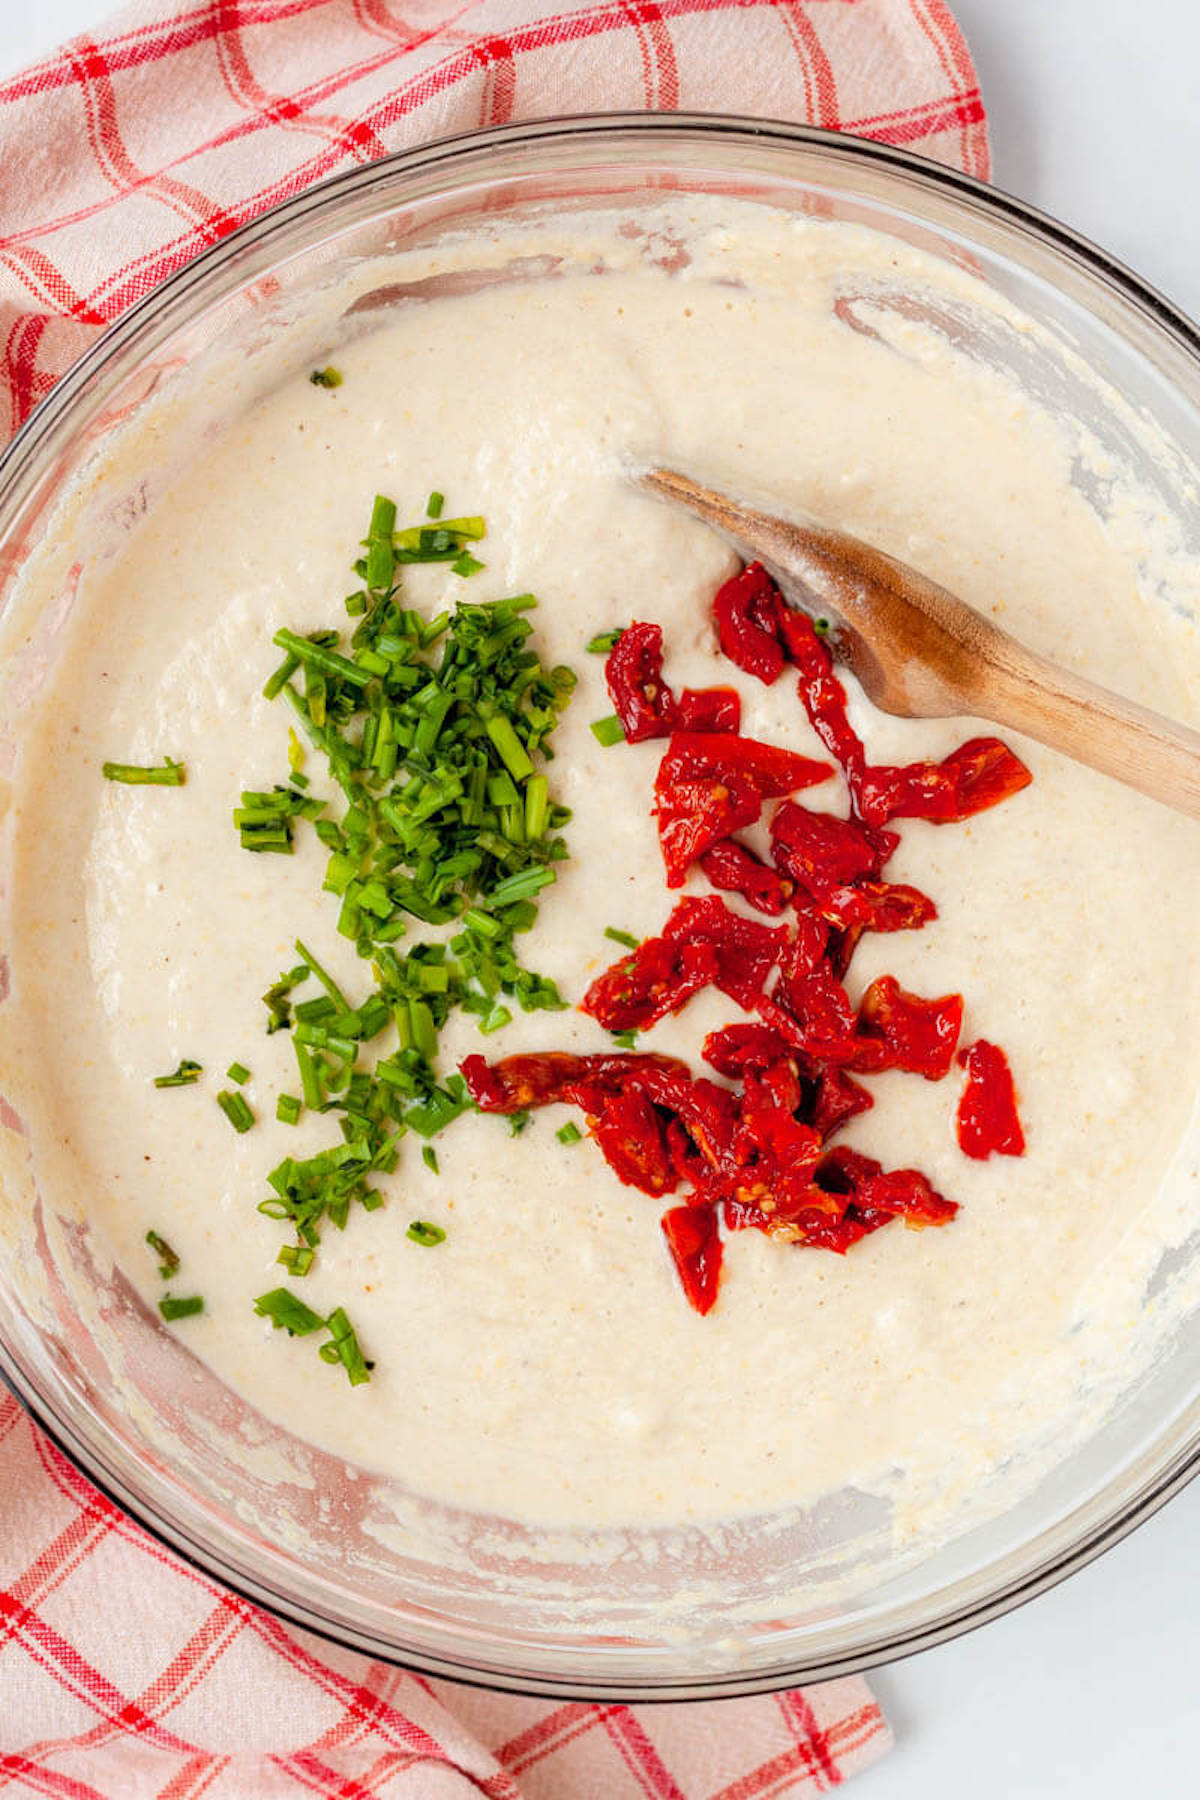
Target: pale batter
[[542, 1362]]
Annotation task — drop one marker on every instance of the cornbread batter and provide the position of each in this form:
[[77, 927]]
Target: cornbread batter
[[541, 1362]]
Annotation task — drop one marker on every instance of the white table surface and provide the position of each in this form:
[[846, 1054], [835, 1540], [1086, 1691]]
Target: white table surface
[[1092, 1689]]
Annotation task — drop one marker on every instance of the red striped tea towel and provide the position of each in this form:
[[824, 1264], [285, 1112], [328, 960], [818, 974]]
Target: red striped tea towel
[[123, 1673]]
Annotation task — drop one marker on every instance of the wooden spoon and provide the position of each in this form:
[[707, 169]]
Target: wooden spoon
[[921, 653]]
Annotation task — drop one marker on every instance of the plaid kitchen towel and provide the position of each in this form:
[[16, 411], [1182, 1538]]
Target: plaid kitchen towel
[[123, 1673]]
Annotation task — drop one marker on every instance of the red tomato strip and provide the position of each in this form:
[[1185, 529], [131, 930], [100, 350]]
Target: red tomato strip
[[987, 1121]]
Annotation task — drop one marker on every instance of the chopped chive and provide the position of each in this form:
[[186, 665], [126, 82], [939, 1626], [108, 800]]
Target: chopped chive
[[512, 751], [317, 656], [568, 1133], [422, 1232], [288, 1313], [434, 505], [168, 1259], [608, 731], [603, 642], [328, 377], [288, 1109], [822, 627], [537, 806], [297, 1259], [237, 1072], [627, 1040], [236, 1109], [496, 1020], [185, 1075], [343, 1348], [622, 937], [171, 774], [523, 885], [518, 1121], [171, 1308], [429, 1158], [466, 564], [326, 980]]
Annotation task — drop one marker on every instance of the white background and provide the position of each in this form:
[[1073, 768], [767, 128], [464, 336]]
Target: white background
[[1094, 1689]]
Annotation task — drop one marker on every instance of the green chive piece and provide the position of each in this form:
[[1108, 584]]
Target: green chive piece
[[288, 1313], [512, 751], [172, 774], [608, 731], [328, 377], [171, 1308], [319, 657], [435, 505], [603, 642], [185, 1075], [168, 1259], [297, 1259], [343, 1348], [288, 1109], [466, 564], [627, 1040], [429, 1158], [568, 1133], [523, 885], [537, 806], [422, 1232], [237, 1072], [326, 980], [518, 1121], [822, 627], [622, 937], [236, 1109]]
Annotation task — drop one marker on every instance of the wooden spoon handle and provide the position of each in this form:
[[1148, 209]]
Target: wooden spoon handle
[[1129, 742]]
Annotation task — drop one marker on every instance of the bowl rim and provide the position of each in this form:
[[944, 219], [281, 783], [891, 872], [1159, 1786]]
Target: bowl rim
[[1164, 316]]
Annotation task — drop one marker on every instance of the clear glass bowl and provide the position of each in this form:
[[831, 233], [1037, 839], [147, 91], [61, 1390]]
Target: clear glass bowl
[[313, 1549]]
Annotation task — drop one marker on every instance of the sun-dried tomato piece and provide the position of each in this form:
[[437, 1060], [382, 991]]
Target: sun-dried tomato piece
[[736, 1048], [542, 1078], [633, 1141], [771, 1131], [693, 815], [824, 1023], [820, 851], [841, 1235], [987, 1121], [822, 694], [837, 1100], [736, 870], [746, 950], [808, 947], [843, 1171], [709, 709], [644, 703], [695, 1245], [721, 756], [979, 774], [657, 978], [899, 1030], [907, 1194], [875, 906], [747, 612], [702, 943], [707, 1112]]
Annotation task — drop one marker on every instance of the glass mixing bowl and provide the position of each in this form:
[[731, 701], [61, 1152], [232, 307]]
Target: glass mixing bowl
[[332, 1548]]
